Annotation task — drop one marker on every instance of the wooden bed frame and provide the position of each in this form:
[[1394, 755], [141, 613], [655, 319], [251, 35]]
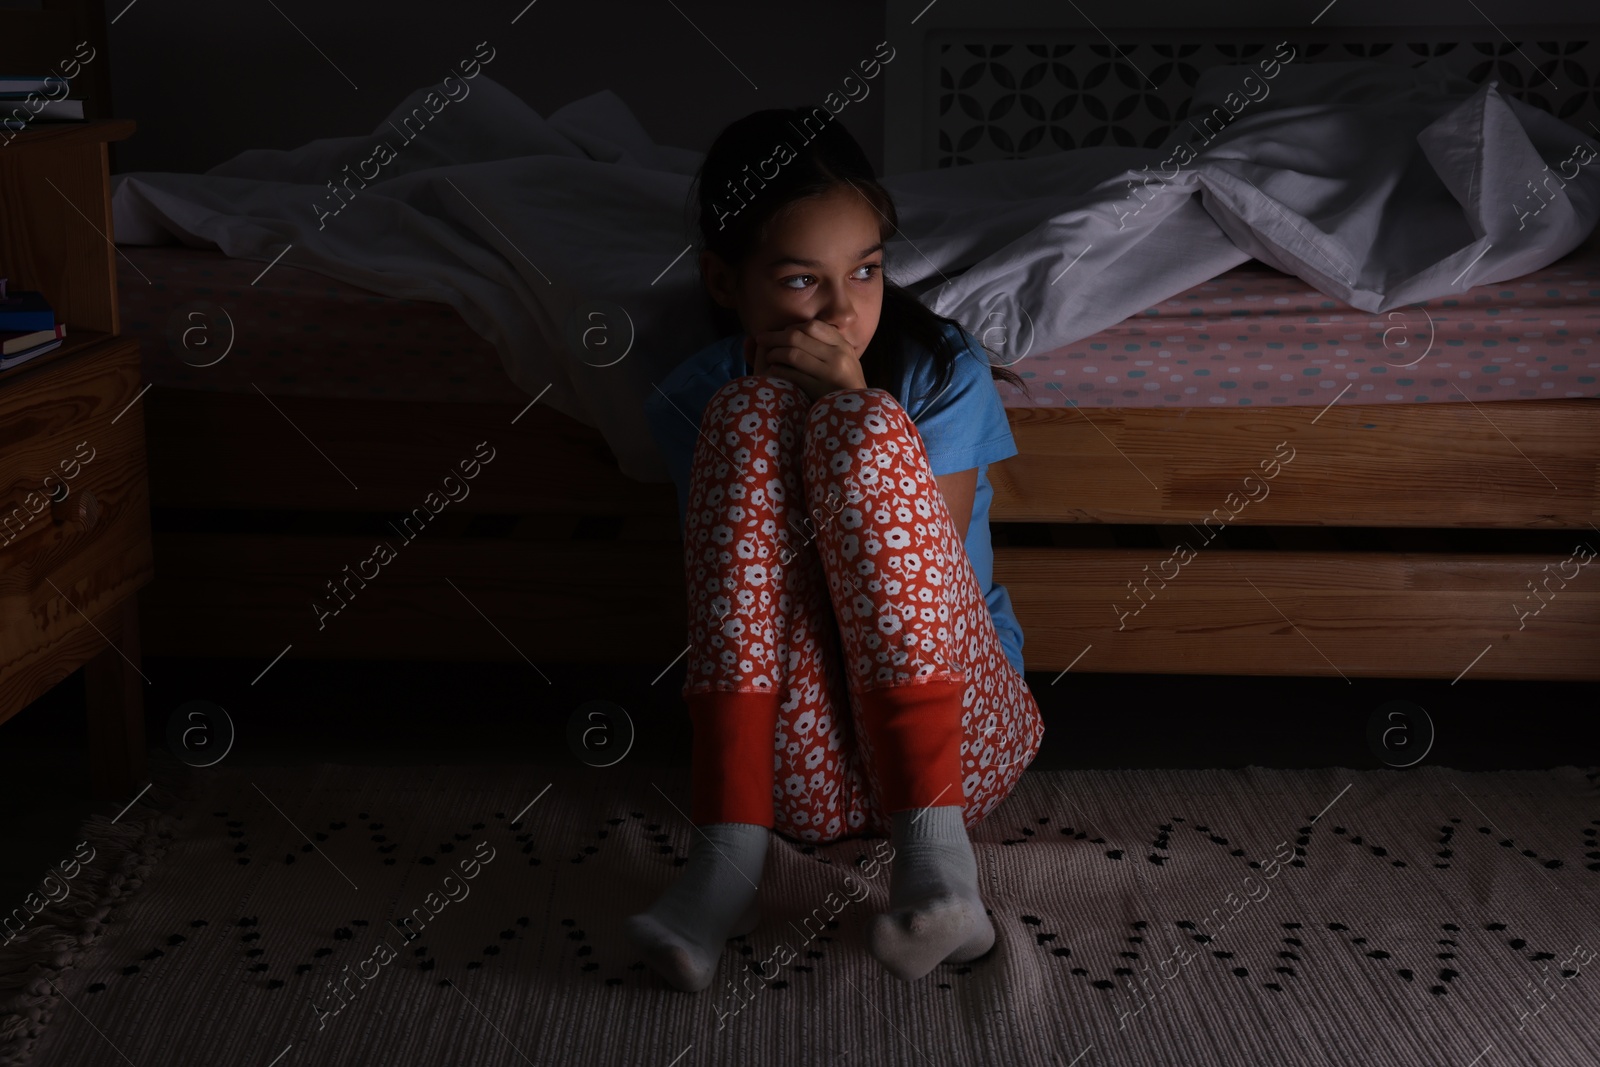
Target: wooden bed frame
[[555, 546], [1398, 542]]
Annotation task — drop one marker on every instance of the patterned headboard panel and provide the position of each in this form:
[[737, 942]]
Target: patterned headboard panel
[[959, 93]]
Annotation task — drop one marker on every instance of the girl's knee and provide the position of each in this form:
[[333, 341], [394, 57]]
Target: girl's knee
[[857, 417], [867, 407], [754, 394], [763, 386]]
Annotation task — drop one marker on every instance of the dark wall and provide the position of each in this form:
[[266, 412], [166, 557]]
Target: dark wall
[[206, 80]]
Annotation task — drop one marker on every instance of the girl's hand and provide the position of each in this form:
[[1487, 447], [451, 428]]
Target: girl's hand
[[813, 355]]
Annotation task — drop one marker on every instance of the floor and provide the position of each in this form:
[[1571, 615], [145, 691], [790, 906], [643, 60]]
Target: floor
[[405, 713]]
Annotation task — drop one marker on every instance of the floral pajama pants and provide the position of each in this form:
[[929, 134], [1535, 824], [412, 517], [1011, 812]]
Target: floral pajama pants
[[822, 564]]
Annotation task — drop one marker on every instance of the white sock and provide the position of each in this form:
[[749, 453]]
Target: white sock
[[682, 933], [935, 913]]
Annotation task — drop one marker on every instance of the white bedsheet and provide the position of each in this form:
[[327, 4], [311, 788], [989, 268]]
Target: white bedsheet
[[1374, 185]]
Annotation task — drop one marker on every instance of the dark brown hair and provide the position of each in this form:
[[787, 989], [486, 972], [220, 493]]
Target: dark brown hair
[[734, 205]]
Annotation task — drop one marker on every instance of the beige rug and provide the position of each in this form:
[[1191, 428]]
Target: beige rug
[[254, 918]]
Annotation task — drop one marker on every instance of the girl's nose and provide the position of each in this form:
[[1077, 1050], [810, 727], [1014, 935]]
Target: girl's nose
[[840, 312]]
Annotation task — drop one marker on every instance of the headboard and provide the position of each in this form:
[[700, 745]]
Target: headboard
[[973, 82]]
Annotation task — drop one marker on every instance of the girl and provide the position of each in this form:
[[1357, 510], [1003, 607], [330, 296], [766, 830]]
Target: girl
[[852, 669]]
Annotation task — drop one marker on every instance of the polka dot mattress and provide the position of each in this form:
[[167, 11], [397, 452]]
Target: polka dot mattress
[[1252, 336], [1257, 337]]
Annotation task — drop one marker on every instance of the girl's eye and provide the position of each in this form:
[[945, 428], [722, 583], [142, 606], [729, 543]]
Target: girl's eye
[[804, 280]]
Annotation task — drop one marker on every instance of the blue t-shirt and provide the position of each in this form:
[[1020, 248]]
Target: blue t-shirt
[[962, 427]]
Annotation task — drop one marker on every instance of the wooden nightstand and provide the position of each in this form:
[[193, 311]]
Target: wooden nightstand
[[74, 497]]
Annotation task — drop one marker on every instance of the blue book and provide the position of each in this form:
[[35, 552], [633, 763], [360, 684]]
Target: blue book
[[29, 83], [7, 362], [23, 310]]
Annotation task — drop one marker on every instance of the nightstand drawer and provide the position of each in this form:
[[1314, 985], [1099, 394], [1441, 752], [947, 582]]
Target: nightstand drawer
[[74, 505]]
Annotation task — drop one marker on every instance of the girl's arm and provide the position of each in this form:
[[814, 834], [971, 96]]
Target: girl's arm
[[959, 489]]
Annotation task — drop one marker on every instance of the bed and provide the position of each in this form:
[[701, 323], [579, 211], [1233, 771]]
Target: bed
[[1430, 531]]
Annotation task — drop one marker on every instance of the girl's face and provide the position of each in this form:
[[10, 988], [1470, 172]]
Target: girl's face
[[822, 259]]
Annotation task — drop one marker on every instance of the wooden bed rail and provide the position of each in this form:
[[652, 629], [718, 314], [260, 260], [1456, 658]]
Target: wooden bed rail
[[1511, 464], [247, 536], [1520, 464]]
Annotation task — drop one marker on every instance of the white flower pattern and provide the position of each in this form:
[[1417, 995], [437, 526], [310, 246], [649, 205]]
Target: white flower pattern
[[857, 604]]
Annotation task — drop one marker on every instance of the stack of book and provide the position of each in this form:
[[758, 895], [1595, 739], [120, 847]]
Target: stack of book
[[26, 98], [28, 327]]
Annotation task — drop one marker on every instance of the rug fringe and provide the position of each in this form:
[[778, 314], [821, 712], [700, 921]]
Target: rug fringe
[[60, 934]]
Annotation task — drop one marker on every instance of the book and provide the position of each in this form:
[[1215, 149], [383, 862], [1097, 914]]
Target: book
[[16, 110], [27, 354], [14, 341], [24, 310], [29, 83]]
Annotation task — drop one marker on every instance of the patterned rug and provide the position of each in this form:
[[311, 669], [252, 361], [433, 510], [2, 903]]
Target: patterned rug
[[471, 915]]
